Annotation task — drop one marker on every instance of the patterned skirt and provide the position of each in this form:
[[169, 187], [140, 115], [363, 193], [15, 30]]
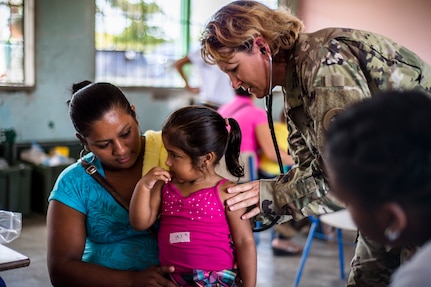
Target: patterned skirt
[[201, 278]]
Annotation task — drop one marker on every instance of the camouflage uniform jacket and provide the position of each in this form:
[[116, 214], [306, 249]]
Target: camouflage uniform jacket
[[327, 71]]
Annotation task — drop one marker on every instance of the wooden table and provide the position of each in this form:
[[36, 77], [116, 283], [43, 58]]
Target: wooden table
[[10, 259]]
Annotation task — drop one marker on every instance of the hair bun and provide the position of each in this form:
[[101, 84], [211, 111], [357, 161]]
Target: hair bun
[[77, 86]]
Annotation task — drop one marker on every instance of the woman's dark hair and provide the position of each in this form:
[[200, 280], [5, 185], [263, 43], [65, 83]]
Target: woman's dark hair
[[380, 149], [199, 130], [90, 101]]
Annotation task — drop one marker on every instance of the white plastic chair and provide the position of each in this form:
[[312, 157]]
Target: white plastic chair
[[248, 159]]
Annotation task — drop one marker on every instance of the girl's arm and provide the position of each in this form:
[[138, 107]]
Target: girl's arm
[[146, 199], [245, 246]]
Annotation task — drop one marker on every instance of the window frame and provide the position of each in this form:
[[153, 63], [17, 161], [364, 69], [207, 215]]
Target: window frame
[[29, 49]]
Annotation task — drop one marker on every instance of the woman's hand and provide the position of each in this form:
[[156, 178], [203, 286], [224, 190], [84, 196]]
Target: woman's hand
[[248, 195], [155, 276]]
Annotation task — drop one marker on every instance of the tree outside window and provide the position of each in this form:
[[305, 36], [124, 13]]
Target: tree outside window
[[137, 42]]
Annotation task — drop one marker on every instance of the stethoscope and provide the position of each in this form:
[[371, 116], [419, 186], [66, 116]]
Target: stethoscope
[[268, 109]]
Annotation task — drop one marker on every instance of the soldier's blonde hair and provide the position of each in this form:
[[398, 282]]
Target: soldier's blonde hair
[[234, 26]]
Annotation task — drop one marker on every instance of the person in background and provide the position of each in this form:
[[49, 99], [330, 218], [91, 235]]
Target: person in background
[[215, 88], [269, 167], [90, 239], [378, 157], [256, 138], [197, 234], [321, 73]]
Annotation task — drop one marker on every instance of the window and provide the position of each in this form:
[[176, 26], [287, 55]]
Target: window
[[16, 43], [138, 41]]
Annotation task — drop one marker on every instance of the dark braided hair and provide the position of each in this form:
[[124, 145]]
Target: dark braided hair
[[198, 130], [380, 150]]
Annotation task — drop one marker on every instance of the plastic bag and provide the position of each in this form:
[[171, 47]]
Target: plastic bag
[[35, 154], [10, 226]]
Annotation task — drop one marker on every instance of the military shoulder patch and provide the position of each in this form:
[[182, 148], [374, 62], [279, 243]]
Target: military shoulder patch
[[330, 116]]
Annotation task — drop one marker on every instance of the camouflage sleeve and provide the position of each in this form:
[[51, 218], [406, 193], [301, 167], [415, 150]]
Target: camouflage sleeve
[[299, 193], [333, 75], [303, 191]]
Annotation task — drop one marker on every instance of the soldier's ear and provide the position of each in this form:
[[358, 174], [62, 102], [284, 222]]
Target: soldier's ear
[[261, 45]]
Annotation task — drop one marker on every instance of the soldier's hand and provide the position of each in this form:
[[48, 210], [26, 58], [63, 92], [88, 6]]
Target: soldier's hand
[[247, 195]]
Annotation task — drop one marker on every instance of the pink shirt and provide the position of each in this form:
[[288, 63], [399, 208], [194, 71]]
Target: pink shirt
[[194, 232], [248, 116]]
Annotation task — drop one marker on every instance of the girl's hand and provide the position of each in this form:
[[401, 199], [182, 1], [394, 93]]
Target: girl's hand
[[248, 195], [155, 174]]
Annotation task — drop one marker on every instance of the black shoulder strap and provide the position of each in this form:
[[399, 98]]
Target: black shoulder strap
[[92, 170]]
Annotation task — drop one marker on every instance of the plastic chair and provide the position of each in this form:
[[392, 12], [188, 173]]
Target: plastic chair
[[341, 220], [250, 169]]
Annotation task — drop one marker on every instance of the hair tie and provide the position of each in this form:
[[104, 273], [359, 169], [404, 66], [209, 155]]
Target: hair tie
[[226, 120]]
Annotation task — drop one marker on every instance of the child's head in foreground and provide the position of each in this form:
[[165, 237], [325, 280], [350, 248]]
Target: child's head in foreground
[[378, 158]]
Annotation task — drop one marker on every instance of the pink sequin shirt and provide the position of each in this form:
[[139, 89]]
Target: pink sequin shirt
[[194, 232]]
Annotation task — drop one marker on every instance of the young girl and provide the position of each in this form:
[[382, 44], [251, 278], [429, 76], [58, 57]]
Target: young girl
[[196, 230]]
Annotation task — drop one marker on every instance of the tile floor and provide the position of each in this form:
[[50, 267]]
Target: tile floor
[[321, 269]]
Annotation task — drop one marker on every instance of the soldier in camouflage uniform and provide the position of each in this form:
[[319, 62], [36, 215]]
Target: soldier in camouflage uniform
[[321, 74]]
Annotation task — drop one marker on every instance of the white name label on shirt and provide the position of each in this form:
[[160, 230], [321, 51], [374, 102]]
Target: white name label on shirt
[[178, 237]]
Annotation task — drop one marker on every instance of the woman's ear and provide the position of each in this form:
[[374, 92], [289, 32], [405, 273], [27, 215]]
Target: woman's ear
[[82, 140], [262, 45]]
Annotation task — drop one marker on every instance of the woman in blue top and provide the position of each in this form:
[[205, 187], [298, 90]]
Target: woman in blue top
[[90, 239]]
